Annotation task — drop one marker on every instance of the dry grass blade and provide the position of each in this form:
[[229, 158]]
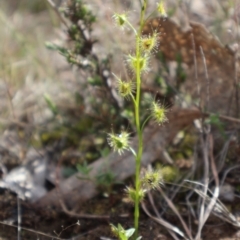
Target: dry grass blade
[[164, 223], [219, 210], [32, 231], [174, 209]]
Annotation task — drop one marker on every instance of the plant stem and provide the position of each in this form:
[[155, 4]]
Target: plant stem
[[137, 120]]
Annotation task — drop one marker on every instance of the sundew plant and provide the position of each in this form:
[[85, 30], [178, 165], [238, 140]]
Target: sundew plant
[[138, 62]]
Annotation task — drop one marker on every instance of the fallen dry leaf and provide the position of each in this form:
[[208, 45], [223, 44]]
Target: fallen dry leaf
[[221, 63], [73, 191]]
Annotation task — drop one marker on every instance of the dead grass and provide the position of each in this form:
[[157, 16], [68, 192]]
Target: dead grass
[[27, 68]]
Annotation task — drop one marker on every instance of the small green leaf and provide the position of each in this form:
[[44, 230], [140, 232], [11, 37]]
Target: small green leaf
[[84, 168], [51, 104], [51, 46], [129, 232]]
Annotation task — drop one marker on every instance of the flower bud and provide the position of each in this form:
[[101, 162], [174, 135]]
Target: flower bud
[[149, 43], [158, 113], [119, 142], [120, 20]]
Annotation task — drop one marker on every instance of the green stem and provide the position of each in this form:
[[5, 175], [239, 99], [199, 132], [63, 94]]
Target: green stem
[[137, 120], [144, 123], [131, 26]]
